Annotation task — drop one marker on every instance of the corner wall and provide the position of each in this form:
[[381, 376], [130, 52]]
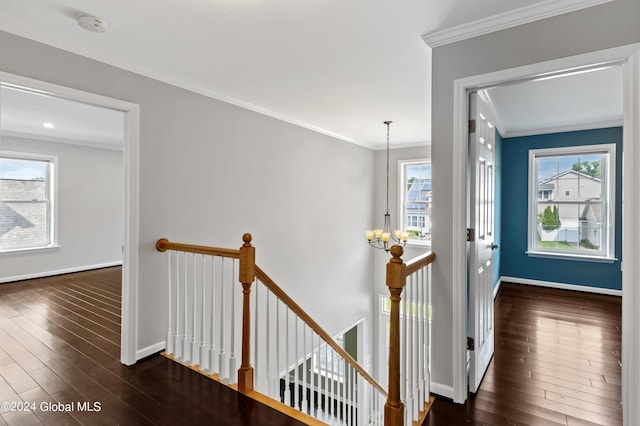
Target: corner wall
[[562, 36]]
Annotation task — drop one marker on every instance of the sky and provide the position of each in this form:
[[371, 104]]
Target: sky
[[419, 171], [21, 169], [551, 166]]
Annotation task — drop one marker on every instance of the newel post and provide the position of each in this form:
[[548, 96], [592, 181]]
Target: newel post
[[247, 275], [394, 408]]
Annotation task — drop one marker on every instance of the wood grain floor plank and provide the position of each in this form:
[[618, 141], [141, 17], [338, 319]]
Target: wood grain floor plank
[[59, 343], [557, 359]]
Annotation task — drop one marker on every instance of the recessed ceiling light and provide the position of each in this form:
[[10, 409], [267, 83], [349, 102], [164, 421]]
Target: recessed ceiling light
[[48, 125], [92, 24]]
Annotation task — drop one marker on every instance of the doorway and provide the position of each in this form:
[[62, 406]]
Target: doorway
[[130, 210], [628, 57]]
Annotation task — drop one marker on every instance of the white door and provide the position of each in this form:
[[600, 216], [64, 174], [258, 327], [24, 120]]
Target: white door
[[482, 169]]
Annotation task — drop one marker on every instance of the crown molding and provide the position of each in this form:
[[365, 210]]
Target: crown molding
[[513, 18]]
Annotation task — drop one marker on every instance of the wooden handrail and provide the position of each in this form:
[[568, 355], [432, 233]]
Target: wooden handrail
[[419, 262], [295, 308], [163, 245]]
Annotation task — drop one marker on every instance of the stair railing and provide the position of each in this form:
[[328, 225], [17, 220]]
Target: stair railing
[[409, 337], [285, 354]]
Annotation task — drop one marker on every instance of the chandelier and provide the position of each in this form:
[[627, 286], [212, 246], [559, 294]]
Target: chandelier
[[384, 238]]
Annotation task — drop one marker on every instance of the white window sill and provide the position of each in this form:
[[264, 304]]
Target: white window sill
[[26, 250], [572, 256]]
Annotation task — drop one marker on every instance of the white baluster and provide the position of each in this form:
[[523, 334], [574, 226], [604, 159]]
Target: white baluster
[[270, 389], [179, 306], [315, 394], [420, 353], [203, 317], [305, 384], [194, 342], [296, 391], [221, 355], [169, 338], [212, 319], [232, 358], [287, 390], [185, 331], [256, 353]]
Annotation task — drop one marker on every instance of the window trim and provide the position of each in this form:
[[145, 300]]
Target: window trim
[[608, 172], [52, 192], [402, 192]]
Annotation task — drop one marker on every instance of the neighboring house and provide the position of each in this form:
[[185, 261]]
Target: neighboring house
[[418, 208], [23, 220], [578, 221]]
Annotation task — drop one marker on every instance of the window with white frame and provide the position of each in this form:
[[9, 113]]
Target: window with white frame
[[26, 201], [573, 210], [416, 199]]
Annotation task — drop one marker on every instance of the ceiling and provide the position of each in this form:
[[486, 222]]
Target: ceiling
[[340, 68]]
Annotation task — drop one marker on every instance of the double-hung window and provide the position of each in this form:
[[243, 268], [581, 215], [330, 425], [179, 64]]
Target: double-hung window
[[572, 202], [416, 199], [27, 208]]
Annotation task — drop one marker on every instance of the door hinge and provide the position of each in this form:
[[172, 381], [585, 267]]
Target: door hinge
[[472, 126], [471, 234], [471, 345]]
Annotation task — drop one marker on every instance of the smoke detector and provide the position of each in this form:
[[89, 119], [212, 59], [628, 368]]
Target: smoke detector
[[93, 24]]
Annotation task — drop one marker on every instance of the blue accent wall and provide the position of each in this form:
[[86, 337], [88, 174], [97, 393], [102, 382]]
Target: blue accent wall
[[514, 262]]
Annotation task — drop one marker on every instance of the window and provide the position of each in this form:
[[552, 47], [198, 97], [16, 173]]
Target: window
[[415, 196], [26, 201], [573, 213]]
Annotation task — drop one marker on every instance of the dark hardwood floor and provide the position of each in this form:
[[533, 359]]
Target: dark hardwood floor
[[60, 353], [556, 362]]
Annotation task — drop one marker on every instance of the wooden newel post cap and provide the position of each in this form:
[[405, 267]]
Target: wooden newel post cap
[[397, 252], [246, 239], [160, 244]]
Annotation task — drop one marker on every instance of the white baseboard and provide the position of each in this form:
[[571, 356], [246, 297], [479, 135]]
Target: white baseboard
[[439, 389], [562, 286], [59, 272], [497, 288], [150, 350]]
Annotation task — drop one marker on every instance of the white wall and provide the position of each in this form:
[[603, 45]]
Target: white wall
[[90, 211], [382, 257], [210, 171], [596, 28]]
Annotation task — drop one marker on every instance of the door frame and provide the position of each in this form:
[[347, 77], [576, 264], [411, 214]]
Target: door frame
[[629, 56], [130, 150]]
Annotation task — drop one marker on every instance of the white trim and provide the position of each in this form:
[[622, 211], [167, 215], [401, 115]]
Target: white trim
[[564, 129], [562, 286], [509, 19], [496, 289], [150, 350], [631, 242], [608, 194], [129, 338], [59, 272], [439, 389], [131, 203], [459, 243], [85, 143], [52, 197], [630, 55]]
